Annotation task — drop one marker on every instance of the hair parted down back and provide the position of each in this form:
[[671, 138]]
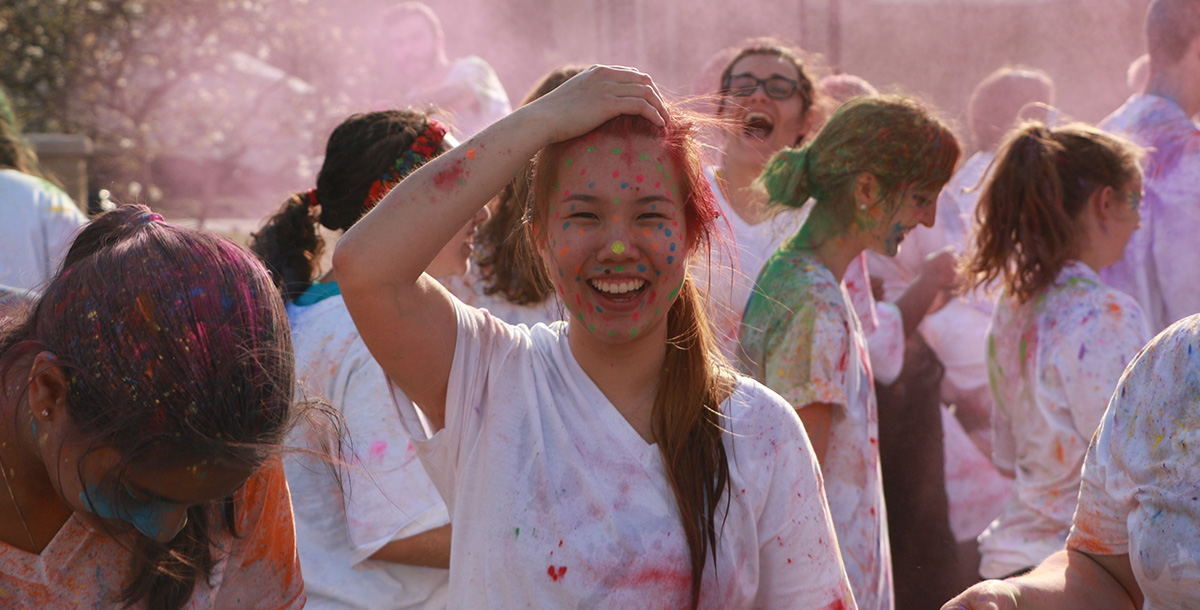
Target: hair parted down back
[[360, 150], [185, 354]]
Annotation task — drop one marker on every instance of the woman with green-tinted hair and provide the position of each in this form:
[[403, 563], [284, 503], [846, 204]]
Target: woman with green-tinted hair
[[873, 173]]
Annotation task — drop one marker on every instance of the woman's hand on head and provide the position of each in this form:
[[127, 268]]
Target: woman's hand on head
[[595, 96], [987, 595]]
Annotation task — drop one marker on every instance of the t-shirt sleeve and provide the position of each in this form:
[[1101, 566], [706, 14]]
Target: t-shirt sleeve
[[1091, 357], [263, 568], [806, 362], [1105, 498], [482, 341], [1004, 443], [799, 561], [388, 494]]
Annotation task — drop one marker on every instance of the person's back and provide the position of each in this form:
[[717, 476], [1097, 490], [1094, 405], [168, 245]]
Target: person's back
[[1158, 268]]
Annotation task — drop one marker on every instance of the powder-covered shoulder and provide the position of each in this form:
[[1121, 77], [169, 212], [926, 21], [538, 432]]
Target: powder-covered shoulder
[[756, 414]]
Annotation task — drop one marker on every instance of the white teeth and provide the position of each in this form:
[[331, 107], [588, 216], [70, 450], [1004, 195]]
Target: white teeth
[[618, 286]]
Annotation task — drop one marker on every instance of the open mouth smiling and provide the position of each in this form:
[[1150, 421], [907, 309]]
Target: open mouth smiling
[[619, 290], [758, 125]]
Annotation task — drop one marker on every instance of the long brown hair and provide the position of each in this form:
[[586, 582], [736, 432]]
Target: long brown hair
[[694, 382], [1028, 212]]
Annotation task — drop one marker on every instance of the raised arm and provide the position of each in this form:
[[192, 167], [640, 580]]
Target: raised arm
[[406, 319]]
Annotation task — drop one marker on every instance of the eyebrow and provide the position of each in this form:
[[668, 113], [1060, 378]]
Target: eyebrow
[[643, 200]]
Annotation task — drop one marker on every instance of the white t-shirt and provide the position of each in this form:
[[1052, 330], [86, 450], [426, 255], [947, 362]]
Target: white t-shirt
[[40, 222], [559, 503], [729, 279], [469, 290], [1159, 268], [1054, 362], [801, 337], [385, 494], [1141, 479]]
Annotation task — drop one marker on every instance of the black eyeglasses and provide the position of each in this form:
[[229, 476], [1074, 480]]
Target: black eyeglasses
[[776, 86]]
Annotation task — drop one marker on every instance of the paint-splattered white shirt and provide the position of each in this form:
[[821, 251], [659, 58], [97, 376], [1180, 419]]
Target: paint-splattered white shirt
[[385, 494], [558, 502], [743, 250], [1054, 362], [1159, 268], [1141, 483], [801, 337]]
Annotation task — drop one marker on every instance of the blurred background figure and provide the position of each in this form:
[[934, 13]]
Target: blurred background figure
[[40, 220], [465, 89], [1159, 268]]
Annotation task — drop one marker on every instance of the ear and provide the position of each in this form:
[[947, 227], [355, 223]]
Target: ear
[[809, 121], [47, 390], [866, 190], [1105, 202]]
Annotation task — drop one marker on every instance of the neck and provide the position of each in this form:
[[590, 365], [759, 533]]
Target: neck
[[627, 373], [835, 251], [31, 510], [1171, 83], [739, 171]]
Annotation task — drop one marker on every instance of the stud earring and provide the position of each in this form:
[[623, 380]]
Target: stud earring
[[45, 413]]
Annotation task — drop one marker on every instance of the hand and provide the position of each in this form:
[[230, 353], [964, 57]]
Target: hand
[[987, 595], [595, 96], [941, 269]]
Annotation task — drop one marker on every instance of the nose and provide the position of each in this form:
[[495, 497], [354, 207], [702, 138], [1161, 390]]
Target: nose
[[929, 215], [618, 244]]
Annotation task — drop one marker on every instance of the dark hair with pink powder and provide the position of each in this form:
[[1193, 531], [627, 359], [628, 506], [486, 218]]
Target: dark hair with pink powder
[[176, 349]]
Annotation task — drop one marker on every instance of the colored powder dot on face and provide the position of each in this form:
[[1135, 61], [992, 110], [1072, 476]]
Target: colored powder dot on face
[[566, 193], [616, 173], [568, 163], [621, 268], [639, 178], [580, 317], [673, 293], [671, 261], [591, 185], [616, 200], [563, 252], [617, 151], [633, 333], [658, 311], [566, 224], [660, 168], [558, 187], [624, 185], [582, 172], [618, 247], [668, 232], [645, 157], [635, 317], [612, 333], [591, 328], [591, 148], [598, 310], [672, 246], [641, 268]]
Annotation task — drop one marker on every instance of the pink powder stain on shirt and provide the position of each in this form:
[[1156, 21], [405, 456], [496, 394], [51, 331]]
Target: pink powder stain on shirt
[[378, 449], [556, 572]]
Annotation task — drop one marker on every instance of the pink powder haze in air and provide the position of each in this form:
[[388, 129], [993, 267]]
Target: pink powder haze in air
[[291, 96]]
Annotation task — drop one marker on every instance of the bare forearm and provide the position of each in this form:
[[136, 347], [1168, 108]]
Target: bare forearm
[[1067, 579], [430, 549]]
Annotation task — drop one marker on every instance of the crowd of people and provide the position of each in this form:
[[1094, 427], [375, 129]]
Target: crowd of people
[[586, 353]]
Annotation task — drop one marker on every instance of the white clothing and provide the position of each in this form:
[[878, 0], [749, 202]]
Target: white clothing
[[385, 494], [559, 503], [1142, 474], [490, 96], [1055, 361], [469, 290], [1159, 268], [733, 269], [40, 222], [801, 337]]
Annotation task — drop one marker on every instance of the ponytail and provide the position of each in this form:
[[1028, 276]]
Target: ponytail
[[1028, 212], [290, 245], [687, 425]]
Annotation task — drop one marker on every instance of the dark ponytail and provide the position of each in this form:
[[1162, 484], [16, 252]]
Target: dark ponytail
[[365, 156]]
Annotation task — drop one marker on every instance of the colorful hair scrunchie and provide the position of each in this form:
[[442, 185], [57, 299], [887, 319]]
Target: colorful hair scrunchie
[[422, 150]]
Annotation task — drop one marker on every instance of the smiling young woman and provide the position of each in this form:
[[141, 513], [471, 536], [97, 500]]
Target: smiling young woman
[[596, 460]]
